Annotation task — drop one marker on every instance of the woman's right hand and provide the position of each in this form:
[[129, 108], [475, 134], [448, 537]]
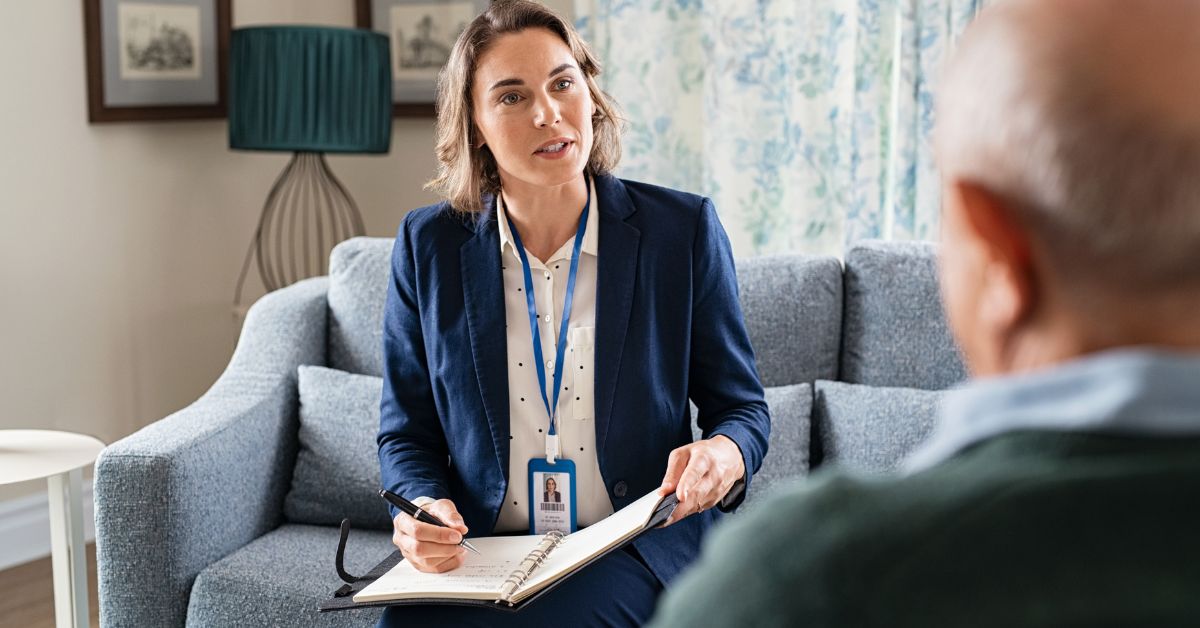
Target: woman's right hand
[[431, 548]]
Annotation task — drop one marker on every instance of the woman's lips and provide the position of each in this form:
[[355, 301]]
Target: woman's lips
[[552, 154]]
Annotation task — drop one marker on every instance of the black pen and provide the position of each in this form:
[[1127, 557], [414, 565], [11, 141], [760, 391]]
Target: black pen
[[415, 512]]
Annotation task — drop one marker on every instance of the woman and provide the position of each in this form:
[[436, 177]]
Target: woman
[[551, 493], [550, 315]]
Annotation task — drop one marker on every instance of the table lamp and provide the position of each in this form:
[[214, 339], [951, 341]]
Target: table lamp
[[308, 90]]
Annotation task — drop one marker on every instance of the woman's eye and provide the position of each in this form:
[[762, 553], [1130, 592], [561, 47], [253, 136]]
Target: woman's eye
[[562, 84], [510, 98]]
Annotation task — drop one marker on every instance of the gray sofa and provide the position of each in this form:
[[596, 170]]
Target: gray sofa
[[224, 513]]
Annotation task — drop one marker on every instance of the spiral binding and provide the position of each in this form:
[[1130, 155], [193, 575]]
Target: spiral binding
[[532, 561]]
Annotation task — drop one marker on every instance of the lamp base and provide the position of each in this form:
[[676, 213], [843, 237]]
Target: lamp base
[[306, 214]]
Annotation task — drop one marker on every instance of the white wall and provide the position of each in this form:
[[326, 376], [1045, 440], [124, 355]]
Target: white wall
[[120, 244]]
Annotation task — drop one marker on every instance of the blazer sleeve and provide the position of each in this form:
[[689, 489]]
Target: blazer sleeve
[[723, 379], [413, 454]]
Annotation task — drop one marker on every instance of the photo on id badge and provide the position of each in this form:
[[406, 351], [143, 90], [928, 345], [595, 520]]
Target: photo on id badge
[[552, 496]]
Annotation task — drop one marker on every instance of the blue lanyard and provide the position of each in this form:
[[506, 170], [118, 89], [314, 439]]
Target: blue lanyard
[[566, 314]]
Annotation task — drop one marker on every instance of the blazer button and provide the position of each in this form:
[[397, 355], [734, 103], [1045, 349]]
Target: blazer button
[[620, 488]]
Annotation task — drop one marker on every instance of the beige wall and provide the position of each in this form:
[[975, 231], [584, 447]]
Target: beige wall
[[120, 244]]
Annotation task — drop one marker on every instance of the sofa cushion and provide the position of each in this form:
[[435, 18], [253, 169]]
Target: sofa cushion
[[788, 446], [894, 332], [793, 311], [870, 428], [359, 269], [337, 467], [281, 577]]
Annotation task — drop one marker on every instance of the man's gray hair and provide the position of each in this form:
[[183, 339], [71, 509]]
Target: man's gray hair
[[1110, 186]]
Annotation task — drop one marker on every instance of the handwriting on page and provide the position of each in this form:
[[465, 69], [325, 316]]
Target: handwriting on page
[[483, 575], [479, 573], [476, 574]]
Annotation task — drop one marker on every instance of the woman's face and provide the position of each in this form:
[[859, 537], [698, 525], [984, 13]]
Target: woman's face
[[551, 485], [533, 109]]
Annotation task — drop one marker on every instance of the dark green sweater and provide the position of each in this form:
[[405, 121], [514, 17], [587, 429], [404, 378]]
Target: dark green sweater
[[1027, 529]]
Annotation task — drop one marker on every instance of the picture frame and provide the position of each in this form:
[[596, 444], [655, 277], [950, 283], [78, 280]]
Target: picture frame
[[156, 59], [421, 34]]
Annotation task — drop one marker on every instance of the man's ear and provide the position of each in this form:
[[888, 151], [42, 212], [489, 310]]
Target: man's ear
[[1009, 292]]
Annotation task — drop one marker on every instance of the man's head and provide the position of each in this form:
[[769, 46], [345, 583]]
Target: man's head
[[1068, 138]]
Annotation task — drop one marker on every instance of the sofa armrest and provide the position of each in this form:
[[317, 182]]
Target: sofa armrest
[[181, 493]]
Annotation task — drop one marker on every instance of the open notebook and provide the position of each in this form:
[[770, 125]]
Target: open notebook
[[512, 569]]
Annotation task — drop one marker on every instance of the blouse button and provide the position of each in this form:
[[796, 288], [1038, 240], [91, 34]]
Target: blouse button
[[550, 364], [546, 318], [547, 274]]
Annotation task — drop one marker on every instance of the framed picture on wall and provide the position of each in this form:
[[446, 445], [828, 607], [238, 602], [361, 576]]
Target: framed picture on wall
[[156, 59], [421, 33]]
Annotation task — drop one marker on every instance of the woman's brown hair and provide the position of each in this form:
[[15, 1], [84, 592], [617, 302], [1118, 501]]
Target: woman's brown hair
[[465, 172]]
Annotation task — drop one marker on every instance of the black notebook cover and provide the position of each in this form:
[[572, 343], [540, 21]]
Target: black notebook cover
[[343, 598]]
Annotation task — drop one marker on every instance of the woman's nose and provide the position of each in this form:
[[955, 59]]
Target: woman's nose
[[546, 112]]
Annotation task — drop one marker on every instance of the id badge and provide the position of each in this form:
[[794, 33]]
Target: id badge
[[551, 496]]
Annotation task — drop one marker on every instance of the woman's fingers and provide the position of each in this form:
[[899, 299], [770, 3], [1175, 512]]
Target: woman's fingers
[[701, 474], [698, 466], [430, 557], [446, 564], [710, 491], [697, 495], [444, 509], [438, 564], [428, 551], [431, 548], [427, 531], [702, 486], [676, 463]]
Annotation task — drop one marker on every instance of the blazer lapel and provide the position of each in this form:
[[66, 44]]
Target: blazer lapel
[[483, 300], [616, 277]]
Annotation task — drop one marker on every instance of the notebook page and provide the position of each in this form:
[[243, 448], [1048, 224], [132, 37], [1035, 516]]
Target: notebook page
[[479, 578], [581, 546]]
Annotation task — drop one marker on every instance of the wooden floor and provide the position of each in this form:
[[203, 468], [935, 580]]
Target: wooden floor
[[27, 598]]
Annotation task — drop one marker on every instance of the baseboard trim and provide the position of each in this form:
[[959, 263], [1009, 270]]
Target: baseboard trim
[[25, 527]]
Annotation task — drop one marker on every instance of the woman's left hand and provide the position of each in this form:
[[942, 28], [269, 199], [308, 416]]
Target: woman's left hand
[[701, 474]]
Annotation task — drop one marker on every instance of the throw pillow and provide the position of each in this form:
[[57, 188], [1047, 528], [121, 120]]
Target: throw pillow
[[870, 428], [787, 448], [337, 467]]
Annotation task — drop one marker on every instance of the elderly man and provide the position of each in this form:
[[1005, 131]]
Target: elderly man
[[1062, 486]]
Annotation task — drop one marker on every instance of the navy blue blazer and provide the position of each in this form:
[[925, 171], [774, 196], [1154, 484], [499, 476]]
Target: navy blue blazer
[[668, 328]]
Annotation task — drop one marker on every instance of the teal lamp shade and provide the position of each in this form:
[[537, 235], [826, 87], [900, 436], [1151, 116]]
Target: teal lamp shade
[[307, 90], [310, 89]]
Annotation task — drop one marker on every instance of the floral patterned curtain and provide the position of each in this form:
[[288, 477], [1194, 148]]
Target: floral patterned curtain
[[806, 121]]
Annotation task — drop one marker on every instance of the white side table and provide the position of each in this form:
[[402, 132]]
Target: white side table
[[60, 458]]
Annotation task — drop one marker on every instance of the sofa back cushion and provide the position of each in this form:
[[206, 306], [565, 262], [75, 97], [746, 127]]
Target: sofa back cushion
[[894, 332], [337, 467], [869, 428], [359, 270], [792, 305]]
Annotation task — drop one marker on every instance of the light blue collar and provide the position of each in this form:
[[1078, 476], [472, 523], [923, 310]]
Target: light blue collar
[[1141, 392]]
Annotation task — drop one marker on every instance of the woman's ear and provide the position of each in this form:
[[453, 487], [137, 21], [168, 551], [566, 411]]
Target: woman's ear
[[477, 139]]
